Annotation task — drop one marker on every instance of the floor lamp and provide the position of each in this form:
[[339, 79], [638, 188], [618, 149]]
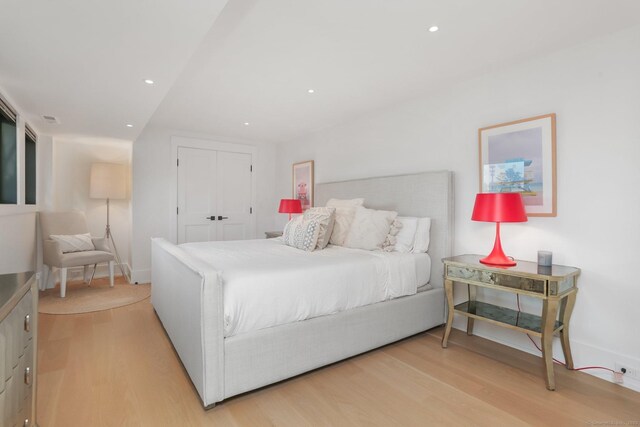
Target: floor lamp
[[109, 181]]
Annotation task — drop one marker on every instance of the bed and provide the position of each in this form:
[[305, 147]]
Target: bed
[[225, 360]]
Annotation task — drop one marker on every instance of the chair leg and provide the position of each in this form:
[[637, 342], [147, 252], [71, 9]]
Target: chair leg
[[63, 282], [95, 267], [44, 279], [50, 282], [111, 268], [85, 274]]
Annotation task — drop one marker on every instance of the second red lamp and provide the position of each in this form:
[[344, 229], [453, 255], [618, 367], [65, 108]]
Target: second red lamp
[[290, 206]]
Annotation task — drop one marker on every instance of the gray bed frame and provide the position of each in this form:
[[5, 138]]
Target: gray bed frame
[[187, 297]]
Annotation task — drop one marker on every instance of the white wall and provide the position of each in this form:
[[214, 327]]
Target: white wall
[[18, 245], [594, 89], [153, 210], [72, 159]]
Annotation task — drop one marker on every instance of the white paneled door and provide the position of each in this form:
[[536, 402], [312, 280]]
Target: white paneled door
[[214, 195]]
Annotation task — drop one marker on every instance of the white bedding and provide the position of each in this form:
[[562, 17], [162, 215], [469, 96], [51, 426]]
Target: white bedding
[[267, 283], [423, 267]]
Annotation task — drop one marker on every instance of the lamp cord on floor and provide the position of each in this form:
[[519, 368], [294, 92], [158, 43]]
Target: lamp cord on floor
[[584, 368]]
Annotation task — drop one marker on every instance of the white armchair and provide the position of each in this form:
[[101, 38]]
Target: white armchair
[[70, 223]]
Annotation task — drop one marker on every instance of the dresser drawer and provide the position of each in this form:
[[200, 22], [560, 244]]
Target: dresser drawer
[[25, 309], [3, 411], [26, 419], [13, 342], [10, 401], [496, 279], [26, 371], [17, 368]]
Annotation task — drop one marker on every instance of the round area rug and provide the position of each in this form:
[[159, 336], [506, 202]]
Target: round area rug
[[99, 296]]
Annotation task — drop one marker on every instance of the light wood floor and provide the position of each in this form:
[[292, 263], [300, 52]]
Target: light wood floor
[[117, 368]]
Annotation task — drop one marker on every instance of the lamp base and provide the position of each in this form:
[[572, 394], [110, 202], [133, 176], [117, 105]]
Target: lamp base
[[497, 256], [498, 261]]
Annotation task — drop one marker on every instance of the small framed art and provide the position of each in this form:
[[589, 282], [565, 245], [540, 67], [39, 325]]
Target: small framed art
[[520, 156], [303, 183]]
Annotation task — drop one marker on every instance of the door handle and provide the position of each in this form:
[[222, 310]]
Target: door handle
[[220, 218], [212, 218]]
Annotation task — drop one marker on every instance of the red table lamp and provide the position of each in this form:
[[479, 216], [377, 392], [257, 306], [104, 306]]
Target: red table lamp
[[290, 206], [498, 207]]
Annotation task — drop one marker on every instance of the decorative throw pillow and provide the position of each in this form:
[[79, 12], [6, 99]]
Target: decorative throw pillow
[[301, 234], [345, 211], [421, 242], [369, 229], [391, 239], [326, 218], [73, 242], [407, 234]]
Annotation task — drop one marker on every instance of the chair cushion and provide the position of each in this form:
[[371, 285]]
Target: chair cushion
[[74, 242], [74, 259]]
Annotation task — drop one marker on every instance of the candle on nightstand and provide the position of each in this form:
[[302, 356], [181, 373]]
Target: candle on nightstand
[[545, 258]]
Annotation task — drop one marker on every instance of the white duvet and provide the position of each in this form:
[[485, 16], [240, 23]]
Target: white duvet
[[266, 283]]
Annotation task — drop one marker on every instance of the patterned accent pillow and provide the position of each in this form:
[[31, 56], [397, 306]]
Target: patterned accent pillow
[[326, 218], [407, 234], [390, 242], [301, 234], [73, 242]]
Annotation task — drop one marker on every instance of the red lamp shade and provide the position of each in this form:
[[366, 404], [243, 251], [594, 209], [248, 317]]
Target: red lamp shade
[[498, 207], [290, 206]]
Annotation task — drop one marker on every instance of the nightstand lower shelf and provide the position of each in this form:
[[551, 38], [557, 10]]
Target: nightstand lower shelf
[[518, 320]]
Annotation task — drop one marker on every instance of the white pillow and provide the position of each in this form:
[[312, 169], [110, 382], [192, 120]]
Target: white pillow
[[407, 234], [421, 242], [73, 242], [345, 211], [369, 228], [326, 218], [301, 234]]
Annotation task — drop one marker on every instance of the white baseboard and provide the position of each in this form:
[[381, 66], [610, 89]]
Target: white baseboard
[[584, 354], [590, 355], [141, 276]]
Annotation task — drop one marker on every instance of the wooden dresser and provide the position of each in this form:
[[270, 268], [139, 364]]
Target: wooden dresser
[[18, 323]]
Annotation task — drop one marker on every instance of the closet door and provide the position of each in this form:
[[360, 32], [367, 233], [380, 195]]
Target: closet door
[[197, 194], [214, 195], [234, 196]]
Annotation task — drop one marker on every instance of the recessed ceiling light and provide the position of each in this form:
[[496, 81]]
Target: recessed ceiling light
[[149, 81], [246, 123], [434, 28], [129, 125], [311, 91]]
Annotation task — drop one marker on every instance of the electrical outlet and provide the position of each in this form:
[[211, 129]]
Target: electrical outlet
[[618, 377], [629, 371]]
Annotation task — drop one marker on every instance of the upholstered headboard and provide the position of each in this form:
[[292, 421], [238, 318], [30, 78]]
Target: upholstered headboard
[[427, 194]]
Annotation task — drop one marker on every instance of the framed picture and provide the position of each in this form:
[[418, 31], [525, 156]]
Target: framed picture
[[303, 183], [520, 157]]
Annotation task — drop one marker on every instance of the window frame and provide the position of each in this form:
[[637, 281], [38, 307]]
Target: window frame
[[30, 137], [20, 206]]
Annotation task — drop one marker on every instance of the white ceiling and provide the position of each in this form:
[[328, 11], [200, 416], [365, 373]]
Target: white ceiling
[[84, 61]]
